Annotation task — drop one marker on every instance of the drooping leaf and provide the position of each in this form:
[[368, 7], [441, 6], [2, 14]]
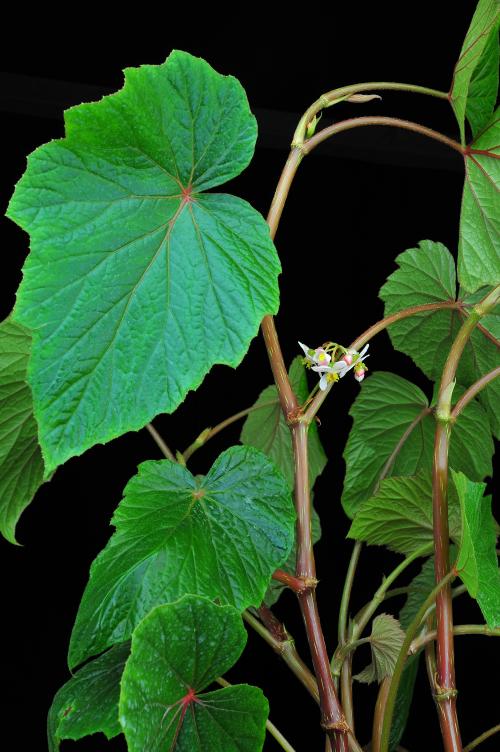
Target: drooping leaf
[[138, 282], [479, 235], [21, 463], [275, 587], [474, 85], [477, 559], [221, 536], [399, 515], [88, 702], [427, 275], [386, 641], [267, 430], [393, 434], [177, 651]]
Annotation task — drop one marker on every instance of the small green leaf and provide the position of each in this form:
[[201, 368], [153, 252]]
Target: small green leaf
[[399, 515], [386, 641], [222, 536], [477, 559], [393, 434], [21, 463], [88, 702], [427, 275], [177, 651], [479, 235], [266, 429], [474, 85], [138, 282]]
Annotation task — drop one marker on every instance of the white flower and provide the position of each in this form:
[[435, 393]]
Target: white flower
[[341, 367], [319, 356]]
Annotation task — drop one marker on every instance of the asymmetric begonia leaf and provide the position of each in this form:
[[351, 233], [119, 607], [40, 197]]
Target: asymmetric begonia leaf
[[88, 702], [474, 86], [479, 235], [477, 562], [386, 640], [21, 463], [399, 515], [221, 536], [427, 275], [138, 282], [177, 651], [393, 434], [267, 430]]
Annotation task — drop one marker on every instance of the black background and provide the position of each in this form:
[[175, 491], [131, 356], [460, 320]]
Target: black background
[[345, 221]]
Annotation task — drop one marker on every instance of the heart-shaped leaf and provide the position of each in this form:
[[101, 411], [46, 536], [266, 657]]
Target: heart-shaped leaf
[[475, 78], [21, 463], [267, 430], [477, 562], [399, 515], [88, 702], [177, 651], [393, 434], [427, 275], [221, 536], [138, 282]]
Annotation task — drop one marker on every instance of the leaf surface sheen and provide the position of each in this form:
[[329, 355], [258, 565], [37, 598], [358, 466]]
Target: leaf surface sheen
[[178, 650], [21, 463], [221, 536], [138, 282]]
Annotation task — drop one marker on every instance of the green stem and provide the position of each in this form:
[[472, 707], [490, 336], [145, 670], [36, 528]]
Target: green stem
[[472, 391], [360, 122], [336, 95], [275, 732], [209, 433], [287, 651], [445, 679], [160, 443], [400, 663], [485, 735], [346, 592], [461, 629]]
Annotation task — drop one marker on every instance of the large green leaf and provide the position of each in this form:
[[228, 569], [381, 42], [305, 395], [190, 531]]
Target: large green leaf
[[479, 237], [137, 282], [477, 559], [177, 651], [393, 434], [399, 515], [475, 81], [88, 702], [221, 535], [427, 275], [21, 463], [267, 430]]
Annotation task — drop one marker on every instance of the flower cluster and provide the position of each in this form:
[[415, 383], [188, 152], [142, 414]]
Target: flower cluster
[[320, 360]]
